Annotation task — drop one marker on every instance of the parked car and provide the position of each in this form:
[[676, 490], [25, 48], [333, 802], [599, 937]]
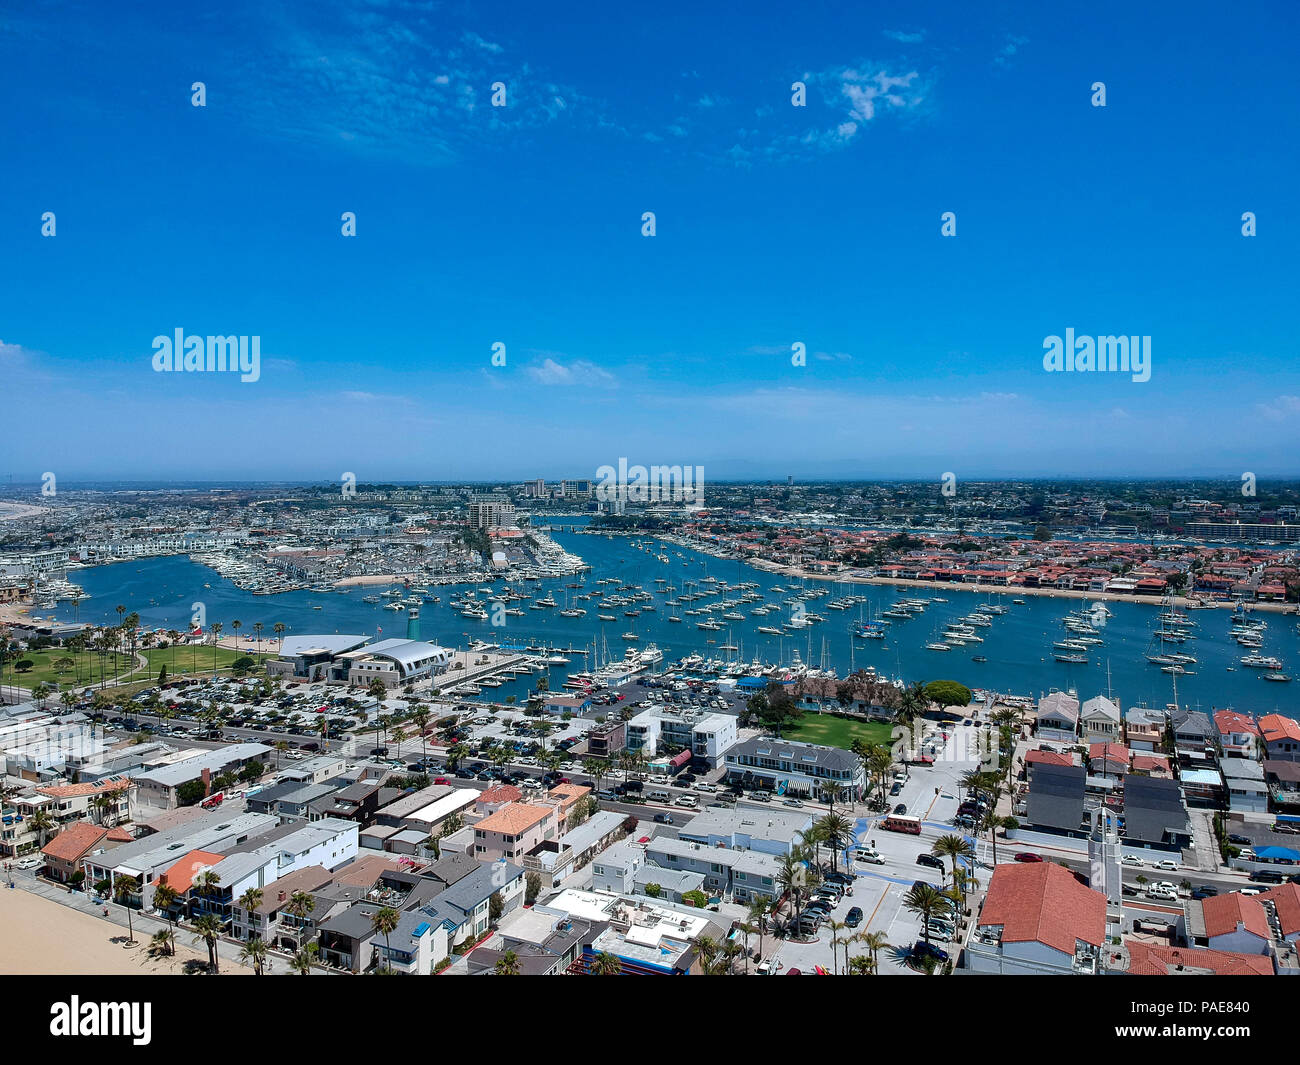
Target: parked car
[[1266, 876], [1168, 865], [922, 949], [1028, 856], [1234, 837], [30, 863], [854, 917], [940, 928], [1133, 859]]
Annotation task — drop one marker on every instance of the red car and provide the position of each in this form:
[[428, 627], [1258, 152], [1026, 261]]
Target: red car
[[440, 780], [1028, 856]]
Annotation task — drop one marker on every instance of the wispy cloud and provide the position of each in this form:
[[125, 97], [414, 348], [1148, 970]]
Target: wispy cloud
[[1010, 46], [904, 37], [1282, 408], [550, 371]]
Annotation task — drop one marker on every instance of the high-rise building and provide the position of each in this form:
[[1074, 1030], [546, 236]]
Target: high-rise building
[[490, 512]]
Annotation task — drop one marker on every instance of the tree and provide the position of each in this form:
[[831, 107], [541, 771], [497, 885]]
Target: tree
[[44, 824], [496, 907], [384, 921], [300, 907], [1042, 533], [924, 901], [953, 847], [124, 887], [948, 693], [249, 901], [163, 942], [190, 792], [164, 898], [302, 961], [532, 888], [255, 950], [207, 930], [606, 964], [875, 942], [507, 964]]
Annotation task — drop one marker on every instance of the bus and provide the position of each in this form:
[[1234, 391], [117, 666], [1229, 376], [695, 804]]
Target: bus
[[902, 823]]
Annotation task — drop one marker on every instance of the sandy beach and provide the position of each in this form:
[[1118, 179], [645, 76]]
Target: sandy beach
[[42, 938]]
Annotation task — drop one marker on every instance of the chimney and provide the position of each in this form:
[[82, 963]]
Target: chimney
[[207, 782], [283, 895]]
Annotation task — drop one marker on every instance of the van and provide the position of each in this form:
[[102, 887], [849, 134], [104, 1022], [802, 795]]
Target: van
[[659, 795]]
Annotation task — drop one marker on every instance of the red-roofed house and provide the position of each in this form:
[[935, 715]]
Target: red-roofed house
[[64, 852], [1153, 765], [1238, 734], [1281, 737], [1286, 904], [180, 876], [1038, 919], [1234, 922], [1049, 758], [1108, 759], [1138, 958]]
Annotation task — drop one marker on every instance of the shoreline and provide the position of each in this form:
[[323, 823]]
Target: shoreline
[[1177, 601]]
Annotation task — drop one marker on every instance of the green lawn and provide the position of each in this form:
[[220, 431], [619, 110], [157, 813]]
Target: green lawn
[[88, 664], [837, 731]]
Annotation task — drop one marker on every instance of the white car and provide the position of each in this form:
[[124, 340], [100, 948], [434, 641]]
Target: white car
[[1133, 859], [30, 863], [1167, 864], [865, 854]]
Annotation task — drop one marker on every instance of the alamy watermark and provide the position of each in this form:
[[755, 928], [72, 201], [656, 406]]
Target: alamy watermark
[[215, 354], [658, 484], [1098, 354]]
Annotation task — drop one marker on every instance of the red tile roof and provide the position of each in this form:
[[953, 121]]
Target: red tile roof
[[1150, 959], [73, 791], [1227, 721], [1223, 913], [1277, 727], [1044, 903], [74, 842], [502, 793], [180, 877], [1111, 752], [1286, 901], [1048, 758]]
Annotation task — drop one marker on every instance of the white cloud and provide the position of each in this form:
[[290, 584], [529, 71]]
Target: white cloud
[[904, 37], [579, 372]]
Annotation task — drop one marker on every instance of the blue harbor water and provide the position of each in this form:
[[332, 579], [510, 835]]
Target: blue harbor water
[[1018, 645]]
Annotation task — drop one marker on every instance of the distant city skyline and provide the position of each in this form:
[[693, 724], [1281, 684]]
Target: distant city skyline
[[521, 225]]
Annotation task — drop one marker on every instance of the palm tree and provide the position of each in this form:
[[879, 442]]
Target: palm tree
[[44, 824], [302, 961], [216, 640], [836, 928], [507, 964], [278, 629], [249, 901], [923, 900], [236, 625], [862, 965], [421, 717], [123, 888], [605, 964], [164, 898], [257, 631], [953, 847], [207, 929], [255, 950], [875, 942], [836, 832], [757, 916], [163, 942], [206, 884], [384, 921]]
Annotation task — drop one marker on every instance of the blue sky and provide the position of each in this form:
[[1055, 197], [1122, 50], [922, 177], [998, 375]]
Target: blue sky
[[522, 225]]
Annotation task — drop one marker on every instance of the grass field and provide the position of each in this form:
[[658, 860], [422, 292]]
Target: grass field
[[838, 731], [87, 665]]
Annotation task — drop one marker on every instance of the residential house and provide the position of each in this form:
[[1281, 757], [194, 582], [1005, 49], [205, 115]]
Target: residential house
[[1238, 734], [1100, 720], [1057, 717], [1281, 735], [1037, 920], [1144, 729]]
